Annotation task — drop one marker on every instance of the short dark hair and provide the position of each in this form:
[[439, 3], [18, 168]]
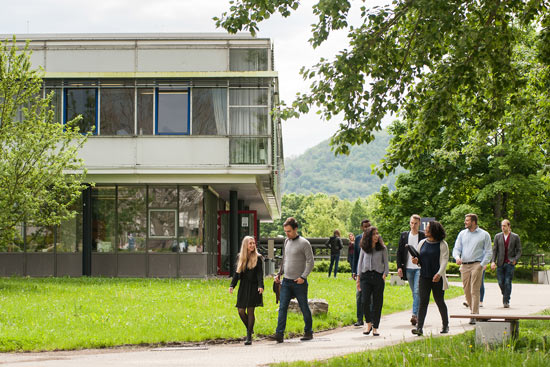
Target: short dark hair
[[472, 216], [291, 222], [437, 231], [365, 221]]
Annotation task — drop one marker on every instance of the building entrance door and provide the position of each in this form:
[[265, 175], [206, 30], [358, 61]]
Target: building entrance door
[[248, 226]]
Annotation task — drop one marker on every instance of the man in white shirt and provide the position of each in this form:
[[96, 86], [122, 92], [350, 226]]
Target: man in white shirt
[[405, 268], [472, 252]]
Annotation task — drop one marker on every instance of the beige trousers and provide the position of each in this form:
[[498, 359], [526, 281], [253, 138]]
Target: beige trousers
[[471, 281]]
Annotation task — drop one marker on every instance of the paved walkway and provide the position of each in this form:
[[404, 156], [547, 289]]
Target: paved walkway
[[395, 328]]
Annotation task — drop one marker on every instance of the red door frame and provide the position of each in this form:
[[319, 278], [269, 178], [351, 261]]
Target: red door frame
[[220, 213]]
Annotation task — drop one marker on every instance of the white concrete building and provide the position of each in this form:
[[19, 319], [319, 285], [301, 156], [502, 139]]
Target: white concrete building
[[185, 155]]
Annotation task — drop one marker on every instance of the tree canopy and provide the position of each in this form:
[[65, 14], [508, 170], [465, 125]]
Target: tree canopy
[[469, 81], [409, 57], [36, 151]]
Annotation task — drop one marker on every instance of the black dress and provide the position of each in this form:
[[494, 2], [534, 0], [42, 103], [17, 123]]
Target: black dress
[[251, 280]]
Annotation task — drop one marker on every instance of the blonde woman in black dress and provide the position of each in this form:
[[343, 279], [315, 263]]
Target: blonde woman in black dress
[[250, 272]]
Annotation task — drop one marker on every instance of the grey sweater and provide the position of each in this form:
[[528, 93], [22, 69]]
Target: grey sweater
[[297, 258]]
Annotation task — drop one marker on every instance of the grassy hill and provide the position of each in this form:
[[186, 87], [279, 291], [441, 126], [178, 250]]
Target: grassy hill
[[348, 177]]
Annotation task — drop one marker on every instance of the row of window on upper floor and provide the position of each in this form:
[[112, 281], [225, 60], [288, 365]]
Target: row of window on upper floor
[[164, 110]]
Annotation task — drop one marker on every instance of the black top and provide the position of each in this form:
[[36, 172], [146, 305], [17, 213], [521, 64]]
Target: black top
[[429, 259], [335, 245], [402, 253], [251, 280]]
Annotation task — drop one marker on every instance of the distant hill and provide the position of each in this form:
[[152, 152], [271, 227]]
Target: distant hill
[[348, 177]]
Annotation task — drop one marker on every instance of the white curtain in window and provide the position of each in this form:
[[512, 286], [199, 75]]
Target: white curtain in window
[[220, 108]]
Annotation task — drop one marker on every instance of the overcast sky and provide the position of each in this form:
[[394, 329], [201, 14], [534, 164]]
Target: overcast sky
[[289, 35]]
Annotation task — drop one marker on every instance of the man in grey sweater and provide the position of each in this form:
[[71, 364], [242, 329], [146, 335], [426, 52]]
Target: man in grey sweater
[[296, 266]]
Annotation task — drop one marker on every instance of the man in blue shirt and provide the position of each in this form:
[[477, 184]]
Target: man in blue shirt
[[356, 252], [472, 252]]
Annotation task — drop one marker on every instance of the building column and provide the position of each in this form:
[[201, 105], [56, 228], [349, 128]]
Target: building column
[[87, 231], [234, 230]]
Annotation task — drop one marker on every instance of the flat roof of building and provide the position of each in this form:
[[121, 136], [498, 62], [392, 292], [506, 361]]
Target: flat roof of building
[[130, 36]]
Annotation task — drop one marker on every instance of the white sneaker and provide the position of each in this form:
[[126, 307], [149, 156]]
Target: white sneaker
[[480, 304]]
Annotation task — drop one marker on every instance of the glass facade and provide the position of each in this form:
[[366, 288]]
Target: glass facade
[[209, 111], [132, 218], [82, 101], [117, 111], [103, 218], [248, 59], [172, 112]]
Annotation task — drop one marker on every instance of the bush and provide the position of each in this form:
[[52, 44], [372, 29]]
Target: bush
[[343, 266]]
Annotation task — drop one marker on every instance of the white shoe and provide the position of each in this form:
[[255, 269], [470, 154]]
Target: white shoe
[[480, 304]]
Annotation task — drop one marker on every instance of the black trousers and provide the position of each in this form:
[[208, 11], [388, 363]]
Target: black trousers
[[372, 291], [425, 287]]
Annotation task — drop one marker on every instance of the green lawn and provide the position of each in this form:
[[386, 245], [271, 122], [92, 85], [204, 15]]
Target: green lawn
[[72, 313], [532, 349]]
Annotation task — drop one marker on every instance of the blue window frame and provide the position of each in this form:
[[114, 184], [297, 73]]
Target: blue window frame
[[172, 114], [81, 101]]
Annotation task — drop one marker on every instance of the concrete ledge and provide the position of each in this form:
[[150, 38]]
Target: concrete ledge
[[496, 332]]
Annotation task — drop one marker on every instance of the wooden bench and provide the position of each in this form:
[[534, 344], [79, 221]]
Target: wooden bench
[[491, 329]]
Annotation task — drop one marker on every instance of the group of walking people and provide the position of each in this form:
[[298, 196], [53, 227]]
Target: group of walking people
[[422, 259]]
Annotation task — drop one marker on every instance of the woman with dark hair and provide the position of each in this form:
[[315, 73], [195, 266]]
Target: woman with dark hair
[[251, 274], [433, 258], [372, 270]]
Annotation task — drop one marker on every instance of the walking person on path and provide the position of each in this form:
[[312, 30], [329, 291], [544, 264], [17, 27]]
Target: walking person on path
[[433, 259], [372, 271], [250, 272], [356, 252], [506, 253], [472, 252], [406, 269], [335, 245], [296, 265], [351, 238]]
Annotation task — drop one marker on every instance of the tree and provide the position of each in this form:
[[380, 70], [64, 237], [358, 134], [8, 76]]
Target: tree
[[409, 56], [469, 80], [40, 172]]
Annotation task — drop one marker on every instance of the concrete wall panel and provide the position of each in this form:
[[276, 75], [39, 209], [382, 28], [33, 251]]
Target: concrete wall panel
[[163, 265], [182, 59], [12, 264], [69, 264], [91, 61], [40, 264], [132, 265]]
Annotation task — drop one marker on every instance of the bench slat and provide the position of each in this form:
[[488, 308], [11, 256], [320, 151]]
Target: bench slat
[[501, 317]]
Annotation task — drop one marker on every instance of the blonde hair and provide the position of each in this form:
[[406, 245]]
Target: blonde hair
[[244, 260]]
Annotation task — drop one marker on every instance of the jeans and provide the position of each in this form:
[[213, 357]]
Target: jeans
[[482, 289], [425, 286], [505, 274], [372, 290], [289, 290], [412, 278], [334, 259]]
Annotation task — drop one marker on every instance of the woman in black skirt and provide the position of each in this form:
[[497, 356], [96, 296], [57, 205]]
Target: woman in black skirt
[[250, 272]]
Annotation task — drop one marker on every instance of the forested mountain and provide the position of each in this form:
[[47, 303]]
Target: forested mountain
[[348, 177]]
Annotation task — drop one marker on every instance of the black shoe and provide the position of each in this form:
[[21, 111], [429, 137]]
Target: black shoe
[[465, 304], [308, 335], [445, 330], [358, 323], [367, 332], [414, 320], [248, 340], [375, 334], [418, 331], [472, 321], [279, 338]]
